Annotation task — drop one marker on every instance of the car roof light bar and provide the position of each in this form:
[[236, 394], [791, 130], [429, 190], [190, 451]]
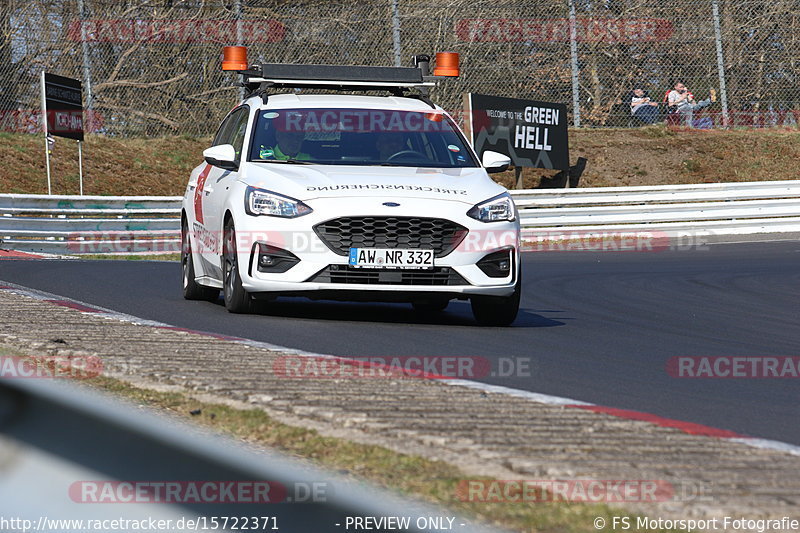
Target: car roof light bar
[[397, 80], [294, 75], [332, 76], [344, 74]]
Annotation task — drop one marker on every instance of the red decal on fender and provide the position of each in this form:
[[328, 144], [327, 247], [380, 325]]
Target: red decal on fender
[[198, 194]]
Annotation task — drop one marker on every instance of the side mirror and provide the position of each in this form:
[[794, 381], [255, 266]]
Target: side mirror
[[495, 162], [223, 156]]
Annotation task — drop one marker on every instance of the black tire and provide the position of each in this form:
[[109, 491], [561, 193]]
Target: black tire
[[497, 310], [430, 307], [237, 300], [191, 289]]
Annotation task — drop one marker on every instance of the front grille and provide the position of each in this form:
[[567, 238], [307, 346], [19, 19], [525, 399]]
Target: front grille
[[438, 234], [441, 276]]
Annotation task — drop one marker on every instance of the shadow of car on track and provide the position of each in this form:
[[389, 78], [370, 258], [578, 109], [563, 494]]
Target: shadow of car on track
[[456, 314]]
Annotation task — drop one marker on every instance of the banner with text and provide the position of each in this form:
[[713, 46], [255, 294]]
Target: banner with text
[[64, 103], [531, 133]]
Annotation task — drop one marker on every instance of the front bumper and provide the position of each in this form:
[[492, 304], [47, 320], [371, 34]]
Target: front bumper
[[322, 270]]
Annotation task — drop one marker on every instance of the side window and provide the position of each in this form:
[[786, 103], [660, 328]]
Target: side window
[[223, 133], [229, 127], [237, 131]]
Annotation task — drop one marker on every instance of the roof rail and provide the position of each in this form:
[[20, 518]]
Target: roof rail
[[397, 80], [277, 74]]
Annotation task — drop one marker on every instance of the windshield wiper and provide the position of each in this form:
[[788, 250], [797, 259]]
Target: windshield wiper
[[287, 161]]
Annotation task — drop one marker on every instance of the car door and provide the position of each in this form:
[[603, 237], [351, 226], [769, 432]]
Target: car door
[[212, 189]]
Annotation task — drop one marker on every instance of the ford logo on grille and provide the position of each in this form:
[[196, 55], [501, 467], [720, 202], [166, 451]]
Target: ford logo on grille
[[391, 204]]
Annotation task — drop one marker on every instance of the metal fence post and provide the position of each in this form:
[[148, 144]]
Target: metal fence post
[[87, 58], [46, 134], [573, 51], [723, 93], [237, 13], [396, 33]]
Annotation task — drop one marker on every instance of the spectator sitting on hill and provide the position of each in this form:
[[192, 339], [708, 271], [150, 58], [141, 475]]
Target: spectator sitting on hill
[[682, 101], [642, 108]]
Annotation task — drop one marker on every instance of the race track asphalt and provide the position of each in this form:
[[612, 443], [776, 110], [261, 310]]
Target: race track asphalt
[[596, 326]]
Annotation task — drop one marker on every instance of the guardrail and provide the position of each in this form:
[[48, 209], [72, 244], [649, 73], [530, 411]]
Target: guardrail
[[670, 210], [90, 224], [150, 224], [69, 448]]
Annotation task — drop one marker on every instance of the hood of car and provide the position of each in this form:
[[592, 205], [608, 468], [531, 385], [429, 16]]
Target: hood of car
[[308, 182]]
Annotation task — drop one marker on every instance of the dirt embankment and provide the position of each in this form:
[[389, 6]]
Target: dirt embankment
[[657, 155], [653, 155]]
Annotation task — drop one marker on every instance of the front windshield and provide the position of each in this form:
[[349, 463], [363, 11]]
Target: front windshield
[[359, 137]]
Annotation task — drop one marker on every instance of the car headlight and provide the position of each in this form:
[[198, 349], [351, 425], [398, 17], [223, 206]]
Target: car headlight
[[262, 202], [499, 208]]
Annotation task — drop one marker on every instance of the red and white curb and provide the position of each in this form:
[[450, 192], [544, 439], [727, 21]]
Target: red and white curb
[[14, 254], [19, 255], [689, 428]]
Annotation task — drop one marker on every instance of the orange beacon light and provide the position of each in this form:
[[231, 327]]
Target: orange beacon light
[[446, 64], [234, 58]]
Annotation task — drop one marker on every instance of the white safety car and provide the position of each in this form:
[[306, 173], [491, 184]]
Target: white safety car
[[349, 197]]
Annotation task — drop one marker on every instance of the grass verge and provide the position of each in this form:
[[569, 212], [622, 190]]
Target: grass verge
[[652, 155]]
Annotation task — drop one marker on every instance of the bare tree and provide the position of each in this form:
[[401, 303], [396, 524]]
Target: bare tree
[[154, 64]]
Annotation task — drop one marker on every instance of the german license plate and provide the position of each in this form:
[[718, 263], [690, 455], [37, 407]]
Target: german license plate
[[390, 258]]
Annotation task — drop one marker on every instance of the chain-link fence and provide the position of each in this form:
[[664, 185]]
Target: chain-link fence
[[153, 67]]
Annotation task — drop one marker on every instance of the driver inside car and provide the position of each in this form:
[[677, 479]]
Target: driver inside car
[[288, 144], [389, 144]]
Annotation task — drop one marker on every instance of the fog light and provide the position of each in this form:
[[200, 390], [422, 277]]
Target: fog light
[[273, 259], [497, 264]]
